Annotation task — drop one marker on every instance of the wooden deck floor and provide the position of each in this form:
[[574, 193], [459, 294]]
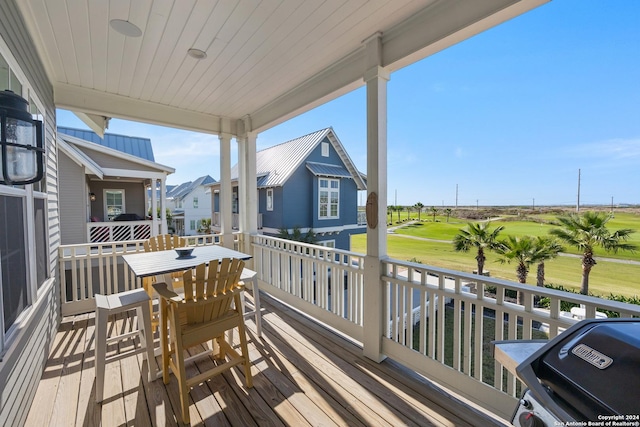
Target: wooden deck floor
[[303, 375]]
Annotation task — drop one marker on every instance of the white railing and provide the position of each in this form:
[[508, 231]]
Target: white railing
[[362, 218], [90, 268], [118, 231], [326, 283], [436, 322]]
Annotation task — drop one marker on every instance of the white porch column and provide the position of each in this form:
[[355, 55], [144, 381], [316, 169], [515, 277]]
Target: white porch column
[[154, 201], [376, 78], [247, 183], [164, 229], [226, 217]]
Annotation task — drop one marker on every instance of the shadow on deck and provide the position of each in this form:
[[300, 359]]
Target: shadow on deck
[[303, 374]]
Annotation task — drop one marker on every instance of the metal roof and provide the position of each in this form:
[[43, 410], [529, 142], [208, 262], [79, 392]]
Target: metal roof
[[134, 145], [274, 165], [180, 191], [324, 169], [74, 141]]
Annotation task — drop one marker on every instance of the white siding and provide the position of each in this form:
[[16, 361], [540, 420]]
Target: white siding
[[73, 217], [202, 211]]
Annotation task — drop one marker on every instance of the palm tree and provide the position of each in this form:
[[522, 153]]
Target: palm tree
[[448, 212], [588, 231], [548, 248], [521, 250], [477, 235], [418, 206], [434, 212]]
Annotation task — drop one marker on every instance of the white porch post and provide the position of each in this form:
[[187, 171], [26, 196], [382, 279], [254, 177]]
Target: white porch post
[[164, 229], [226, 217], [376, 78], [247, 184], [154, 211]]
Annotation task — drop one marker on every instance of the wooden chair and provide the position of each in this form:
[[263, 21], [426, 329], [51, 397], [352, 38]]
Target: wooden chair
[[162, 243], [211, 306]]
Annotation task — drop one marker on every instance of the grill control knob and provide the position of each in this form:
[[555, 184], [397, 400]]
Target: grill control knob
[[525, 403], [529, 419]]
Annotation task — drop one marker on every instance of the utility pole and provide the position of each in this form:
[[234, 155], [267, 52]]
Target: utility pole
[[456, 196], [578, 202], [533, 206], [611, 205], [477, 205]]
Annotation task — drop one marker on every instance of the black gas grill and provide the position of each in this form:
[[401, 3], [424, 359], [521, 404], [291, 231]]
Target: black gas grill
[[588, 374]]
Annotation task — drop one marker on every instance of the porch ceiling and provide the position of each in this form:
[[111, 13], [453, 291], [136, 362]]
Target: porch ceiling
[[268, 60]]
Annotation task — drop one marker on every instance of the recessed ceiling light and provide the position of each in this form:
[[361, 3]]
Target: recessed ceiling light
[[197, 53], [125, 28]]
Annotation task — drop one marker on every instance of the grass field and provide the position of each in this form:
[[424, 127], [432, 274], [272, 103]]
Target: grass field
[[605, 278]]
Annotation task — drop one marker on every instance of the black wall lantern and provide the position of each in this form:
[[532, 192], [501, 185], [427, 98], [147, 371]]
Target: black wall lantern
[[21, 146]]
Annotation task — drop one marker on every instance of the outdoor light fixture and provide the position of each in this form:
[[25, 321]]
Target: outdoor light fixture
[[197, 53], [21, 147], [125, 28], [92, 197]]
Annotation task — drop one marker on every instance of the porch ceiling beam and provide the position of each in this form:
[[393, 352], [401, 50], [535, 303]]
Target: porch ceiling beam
[[129, 173], [91, 101]]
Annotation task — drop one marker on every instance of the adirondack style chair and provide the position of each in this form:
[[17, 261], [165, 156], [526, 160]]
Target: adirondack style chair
[[211, 305], [162, 243]]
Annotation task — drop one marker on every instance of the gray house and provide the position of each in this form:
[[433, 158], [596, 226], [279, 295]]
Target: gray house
[[308, 183], [103, 184]]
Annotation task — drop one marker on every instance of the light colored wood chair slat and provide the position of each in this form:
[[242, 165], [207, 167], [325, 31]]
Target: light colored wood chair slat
[[210, 307], [162, 242]]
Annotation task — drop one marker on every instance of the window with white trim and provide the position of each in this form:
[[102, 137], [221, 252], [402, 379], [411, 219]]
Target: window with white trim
[[24, 239], [329, 198], [269, 199], [327, 243], [113, 203], [195, 203], [192, 225], [325, 149]]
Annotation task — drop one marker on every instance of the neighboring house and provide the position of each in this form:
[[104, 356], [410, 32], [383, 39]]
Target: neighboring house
[[190, 202], [103, 184], [309, 183]]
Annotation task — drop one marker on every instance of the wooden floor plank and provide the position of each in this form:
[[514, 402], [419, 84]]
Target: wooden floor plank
[[412, 408], [88, 414], [50, 380], [113, 404], [132, 385], [69, 386], [363, 388]]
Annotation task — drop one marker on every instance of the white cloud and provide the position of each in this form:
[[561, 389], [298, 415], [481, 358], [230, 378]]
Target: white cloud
[[612, 149]]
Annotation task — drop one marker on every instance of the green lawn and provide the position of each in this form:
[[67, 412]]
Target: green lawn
[[606, 277], [442, 230]]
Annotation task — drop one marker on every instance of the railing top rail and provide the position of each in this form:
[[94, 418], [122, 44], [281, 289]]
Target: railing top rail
[[501, 284]]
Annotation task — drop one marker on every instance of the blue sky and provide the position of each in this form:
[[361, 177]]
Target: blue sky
[[509, 116]]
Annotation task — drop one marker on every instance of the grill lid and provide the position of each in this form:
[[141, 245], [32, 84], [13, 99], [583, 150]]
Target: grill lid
[[590, 370]]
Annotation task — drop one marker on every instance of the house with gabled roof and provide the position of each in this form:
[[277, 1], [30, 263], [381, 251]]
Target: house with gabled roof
[[190, 203], [308, 184], [103, 184]]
